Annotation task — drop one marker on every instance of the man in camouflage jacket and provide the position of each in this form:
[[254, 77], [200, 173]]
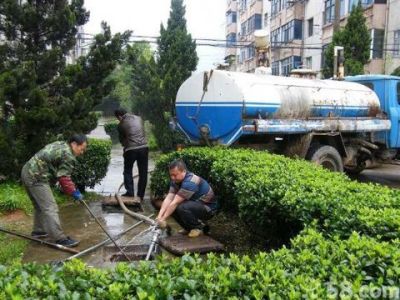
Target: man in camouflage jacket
[[55, 162]]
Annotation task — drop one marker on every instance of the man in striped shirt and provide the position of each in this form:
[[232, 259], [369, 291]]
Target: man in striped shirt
[[190, 200]]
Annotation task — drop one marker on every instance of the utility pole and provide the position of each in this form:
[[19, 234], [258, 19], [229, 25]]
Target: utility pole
[[336, 23]]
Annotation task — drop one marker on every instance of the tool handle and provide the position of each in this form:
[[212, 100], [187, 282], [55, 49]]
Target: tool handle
[[57, 246], [105, 231]]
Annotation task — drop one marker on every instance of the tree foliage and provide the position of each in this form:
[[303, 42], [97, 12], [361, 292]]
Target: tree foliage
[[396, 72], [355, 39], [41, 97], [157, 79]]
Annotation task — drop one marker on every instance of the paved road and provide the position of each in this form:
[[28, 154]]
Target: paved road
[[388, 174]]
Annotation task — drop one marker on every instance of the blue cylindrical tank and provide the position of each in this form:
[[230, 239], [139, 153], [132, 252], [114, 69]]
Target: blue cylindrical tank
[[223, 102]]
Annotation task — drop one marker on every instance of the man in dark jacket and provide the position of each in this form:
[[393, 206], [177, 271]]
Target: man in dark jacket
[[55, 162], [133, 140]]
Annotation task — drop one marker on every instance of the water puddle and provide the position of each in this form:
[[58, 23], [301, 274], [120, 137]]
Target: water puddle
[[78, 224]]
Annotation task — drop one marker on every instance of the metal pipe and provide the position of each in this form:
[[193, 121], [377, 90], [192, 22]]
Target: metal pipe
[[105, 231], [53, 245], [154, 241], [105, 242]]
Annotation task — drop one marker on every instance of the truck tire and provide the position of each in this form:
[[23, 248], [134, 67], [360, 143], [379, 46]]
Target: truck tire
[[326, 156]]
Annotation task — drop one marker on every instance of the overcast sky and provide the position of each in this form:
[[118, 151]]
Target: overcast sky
[[205, 19]]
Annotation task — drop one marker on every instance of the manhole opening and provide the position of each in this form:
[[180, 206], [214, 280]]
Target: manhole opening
[[134, 252]]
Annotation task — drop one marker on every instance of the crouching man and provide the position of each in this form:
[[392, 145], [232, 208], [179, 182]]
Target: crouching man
[[55, 162], [190, 200]]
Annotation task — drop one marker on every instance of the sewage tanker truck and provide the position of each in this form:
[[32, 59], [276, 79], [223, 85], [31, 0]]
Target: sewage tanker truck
[[338, 124]]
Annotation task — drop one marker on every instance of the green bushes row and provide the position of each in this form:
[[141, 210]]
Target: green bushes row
[[93, 165], [313, 268], [90, 170], [272, 191], [111, 128]]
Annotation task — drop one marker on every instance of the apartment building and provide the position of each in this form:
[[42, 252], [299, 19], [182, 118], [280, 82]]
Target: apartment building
[[392, 37], [300, 31], [231, 53], [81, 47], [375, 12], [287, 42], [243, 18]]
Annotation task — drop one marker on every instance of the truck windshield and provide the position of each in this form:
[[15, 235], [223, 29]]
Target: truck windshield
[[398, 92], [368, 84]]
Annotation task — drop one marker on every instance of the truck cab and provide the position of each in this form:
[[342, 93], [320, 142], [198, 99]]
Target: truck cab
[[388, 90]]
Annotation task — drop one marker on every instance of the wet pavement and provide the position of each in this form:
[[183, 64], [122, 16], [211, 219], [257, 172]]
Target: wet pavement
[[78, 223], [386, 174]]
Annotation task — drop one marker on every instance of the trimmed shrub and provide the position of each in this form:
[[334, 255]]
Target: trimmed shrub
[[92, 166], [313, 268], [111, 128], [273, 191]]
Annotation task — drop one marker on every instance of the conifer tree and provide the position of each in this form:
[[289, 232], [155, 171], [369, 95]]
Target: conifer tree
[[176, 60], [41, 97], [356, 40]]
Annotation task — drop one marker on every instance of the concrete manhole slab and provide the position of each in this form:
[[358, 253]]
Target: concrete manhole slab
[[180, 244], [112, 201]]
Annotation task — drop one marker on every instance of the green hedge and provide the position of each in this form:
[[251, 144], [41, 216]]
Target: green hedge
[[270, 190], [93, 165], [313, 268], [111, 128]]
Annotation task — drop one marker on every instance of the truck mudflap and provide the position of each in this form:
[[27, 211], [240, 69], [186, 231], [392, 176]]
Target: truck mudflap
[[294, 126]]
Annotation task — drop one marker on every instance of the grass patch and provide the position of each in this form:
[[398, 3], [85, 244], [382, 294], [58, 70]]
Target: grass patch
[[12, 249], [13, 196]]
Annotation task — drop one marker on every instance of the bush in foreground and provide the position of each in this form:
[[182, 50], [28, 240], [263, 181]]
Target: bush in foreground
[[269, 190], [313, 267]]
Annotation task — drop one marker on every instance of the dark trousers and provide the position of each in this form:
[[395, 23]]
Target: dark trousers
[[189, 213], [141, 157]]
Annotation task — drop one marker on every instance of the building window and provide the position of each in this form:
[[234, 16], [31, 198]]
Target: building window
[[275, 37], [290, 63], [231, 17], [257, 21], [251, 24], [242, 56], [396, 43], [275, 7], [275, 68], [230, 39], [364, 3], [377, 36], [243, 30], [329, 13], [310, 24], [298, 29], [292, 30], [265, 19], [309, 62], [242, 5]]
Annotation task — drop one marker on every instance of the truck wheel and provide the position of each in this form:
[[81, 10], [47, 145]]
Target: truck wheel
[[326, 156]]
